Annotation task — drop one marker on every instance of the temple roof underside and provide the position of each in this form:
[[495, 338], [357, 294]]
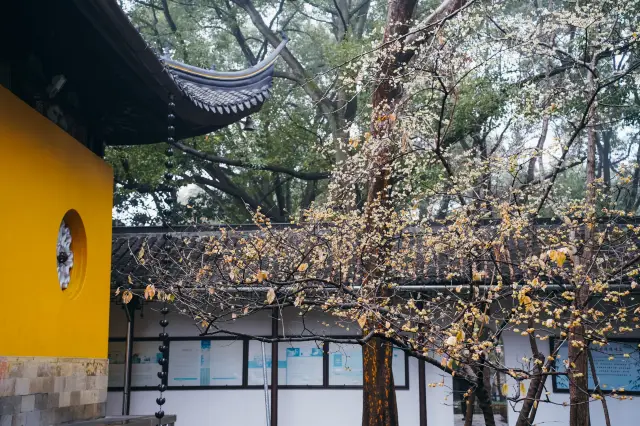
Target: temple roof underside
[[121, 85]]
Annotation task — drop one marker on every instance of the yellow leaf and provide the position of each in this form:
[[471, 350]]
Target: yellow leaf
[[149, 292], [558, 256], [535, 404], [362, 321], [129, 279], [505, 389], [477, 276], [460, 336], [271, 296], [303, 267], [127, 296], [118, 290], [141, 253], [522, 388], [262, 275]]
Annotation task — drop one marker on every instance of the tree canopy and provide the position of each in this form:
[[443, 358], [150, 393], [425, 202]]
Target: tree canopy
[[487, 147]]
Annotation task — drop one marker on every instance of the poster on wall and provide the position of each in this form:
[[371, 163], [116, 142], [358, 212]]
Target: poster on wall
[[304, 364], [226, 363], [254, 367], [116, 355], [255, 362], [617, 366], [205, 363], [399, 367], [144, 363], [299, 363], [345, 365]]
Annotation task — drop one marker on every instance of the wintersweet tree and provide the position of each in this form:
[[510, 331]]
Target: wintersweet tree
[[473, 166]]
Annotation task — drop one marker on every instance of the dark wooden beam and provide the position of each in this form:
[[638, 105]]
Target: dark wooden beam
[[422, 391], [130, 310], [274, 368]]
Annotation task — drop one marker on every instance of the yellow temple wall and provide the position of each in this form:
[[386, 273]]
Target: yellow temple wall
[[44, 174]]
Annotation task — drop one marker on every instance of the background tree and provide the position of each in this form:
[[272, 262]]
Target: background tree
[[283, 166], [481, 117]]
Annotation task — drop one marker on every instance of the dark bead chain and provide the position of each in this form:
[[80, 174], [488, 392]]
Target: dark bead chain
[[164, 347], [171, 131]]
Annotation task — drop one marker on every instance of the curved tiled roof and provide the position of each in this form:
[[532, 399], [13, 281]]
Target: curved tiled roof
[[127, 86], [226, 92]]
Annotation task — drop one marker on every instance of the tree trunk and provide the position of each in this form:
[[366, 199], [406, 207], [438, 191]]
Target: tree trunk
[[578, 345], [379, 401], [379, 397], [469, 409], [379, 407], [531, 169], [606, 159], [484, 402], [535, 386], [603, 397], [632, 200]]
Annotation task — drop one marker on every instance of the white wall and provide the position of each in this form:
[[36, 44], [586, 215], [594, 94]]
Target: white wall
[[319, 407], [622, 413], [311, 407]]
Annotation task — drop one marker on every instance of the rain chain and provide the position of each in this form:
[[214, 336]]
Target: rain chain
[[164, 349], [164, 336], [171, 130]]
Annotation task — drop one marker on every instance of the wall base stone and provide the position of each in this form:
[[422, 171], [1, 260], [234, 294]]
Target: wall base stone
[[41, 391]]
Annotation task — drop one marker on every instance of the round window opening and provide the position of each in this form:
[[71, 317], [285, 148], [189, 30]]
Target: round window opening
[[71, 252], [65, 255]]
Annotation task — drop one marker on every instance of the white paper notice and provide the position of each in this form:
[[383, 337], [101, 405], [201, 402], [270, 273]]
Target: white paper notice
[[255, 363], [117, 354], [144, 363], [398, 367], [205, 363], [304, 363], [226, 363], [184, 363], [345, 364], [145, 367]]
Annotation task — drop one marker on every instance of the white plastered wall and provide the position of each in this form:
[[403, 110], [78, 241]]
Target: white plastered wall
[[622, 413], [311, 407]]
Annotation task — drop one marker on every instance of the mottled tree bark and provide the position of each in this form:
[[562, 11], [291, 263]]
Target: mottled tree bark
[[379, 399], [535, 385], [483, 395], [578, 344], [603, 397], [379, 402], [469, 409]]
